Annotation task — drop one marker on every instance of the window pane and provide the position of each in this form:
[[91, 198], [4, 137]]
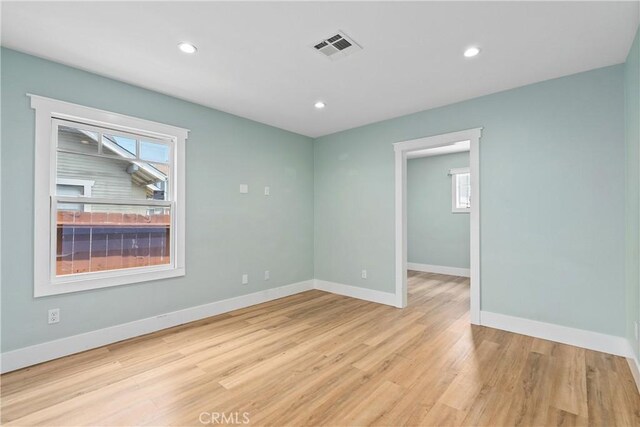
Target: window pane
[[160, 188], [77, 139], [154, 152], [115, 177], [119, 146], [463, 198], [70, 190], [111, 237]]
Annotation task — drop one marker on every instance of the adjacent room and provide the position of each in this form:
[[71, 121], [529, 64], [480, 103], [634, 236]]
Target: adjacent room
[[438, 207], [438, 226], [320, 213]]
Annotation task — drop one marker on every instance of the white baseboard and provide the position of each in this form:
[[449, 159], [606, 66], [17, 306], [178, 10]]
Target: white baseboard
[[439, 269], [356, 292], [634, 365], [611, 344], [32, 355], [50, 350]]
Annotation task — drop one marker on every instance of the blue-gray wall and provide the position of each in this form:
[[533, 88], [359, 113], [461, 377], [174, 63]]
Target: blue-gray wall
[[552, 189], [435, 235], [632, 139], [553, 209], [228, 233]]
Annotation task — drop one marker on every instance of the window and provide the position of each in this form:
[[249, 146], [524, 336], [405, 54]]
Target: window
[[109, 199], [74, 187], [460, 190]]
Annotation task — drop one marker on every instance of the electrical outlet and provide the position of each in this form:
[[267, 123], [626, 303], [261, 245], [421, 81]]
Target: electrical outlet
[[266, 275], [267, 191], [245, 279], [364, 274], [54, 315], [244, 188]]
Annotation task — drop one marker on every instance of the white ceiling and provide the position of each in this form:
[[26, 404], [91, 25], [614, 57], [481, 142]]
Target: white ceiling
[[255, 59]]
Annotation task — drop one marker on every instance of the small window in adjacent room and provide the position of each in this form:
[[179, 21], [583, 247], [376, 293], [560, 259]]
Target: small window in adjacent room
[[460, 190], [109, 199]]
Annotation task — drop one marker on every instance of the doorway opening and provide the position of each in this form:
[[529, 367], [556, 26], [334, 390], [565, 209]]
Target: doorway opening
[[444, 143]]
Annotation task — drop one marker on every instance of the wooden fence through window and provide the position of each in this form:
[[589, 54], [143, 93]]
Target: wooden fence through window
[[88, 241]]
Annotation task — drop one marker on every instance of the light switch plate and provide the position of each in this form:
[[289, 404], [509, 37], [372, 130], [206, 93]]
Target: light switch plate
[[267, 191], [244, 188], [245, 279]]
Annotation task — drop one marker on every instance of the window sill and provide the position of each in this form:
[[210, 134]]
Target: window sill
[[109, 279]]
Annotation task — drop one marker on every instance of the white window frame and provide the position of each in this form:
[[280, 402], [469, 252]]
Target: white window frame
[[47, 110], [454, 190], [86, 184]]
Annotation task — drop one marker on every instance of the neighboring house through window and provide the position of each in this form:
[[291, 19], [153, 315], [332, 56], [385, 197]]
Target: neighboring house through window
[[460, 190], [109, 199]]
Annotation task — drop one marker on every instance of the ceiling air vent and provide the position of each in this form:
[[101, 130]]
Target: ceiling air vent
[[337, 46]]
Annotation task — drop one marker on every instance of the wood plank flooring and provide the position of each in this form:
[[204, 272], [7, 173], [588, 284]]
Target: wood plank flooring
[[322, 359]]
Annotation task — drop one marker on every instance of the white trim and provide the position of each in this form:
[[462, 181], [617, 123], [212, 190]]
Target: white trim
[[439, 269], [634, 366], [113, 201], [106, 279], [401, 150], [47, 111], [32, 355], [379, 297], [474, 220], [69, 111], [611, 344], [458, 147], [454, 171], [401, 228], [86, 184], [50, 350]]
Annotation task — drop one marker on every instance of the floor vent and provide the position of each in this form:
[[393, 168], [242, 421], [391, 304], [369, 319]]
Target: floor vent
[[337, 46]]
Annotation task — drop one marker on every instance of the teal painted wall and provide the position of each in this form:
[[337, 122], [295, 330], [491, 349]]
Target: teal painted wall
[[552, 228], [552, 188], [632, 144], [227, 233], [435, 235]]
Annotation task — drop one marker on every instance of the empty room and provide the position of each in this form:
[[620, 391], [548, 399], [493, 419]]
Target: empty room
[[438, 228], [319, 213]]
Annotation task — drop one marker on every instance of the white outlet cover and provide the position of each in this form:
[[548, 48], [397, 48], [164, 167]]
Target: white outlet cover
[[266, 275], [245, 279], [54, 315], [244, 188], [364, 274], [267, 191]]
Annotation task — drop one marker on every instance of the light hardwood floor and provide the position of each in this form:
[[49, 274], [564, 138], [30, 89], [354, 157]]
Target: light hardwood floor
[[321, 359]]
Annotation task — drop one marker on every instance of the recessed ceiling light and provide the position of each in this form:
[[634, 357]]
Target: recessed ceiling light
[[187, 47], [319, 105], [471, 52]]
